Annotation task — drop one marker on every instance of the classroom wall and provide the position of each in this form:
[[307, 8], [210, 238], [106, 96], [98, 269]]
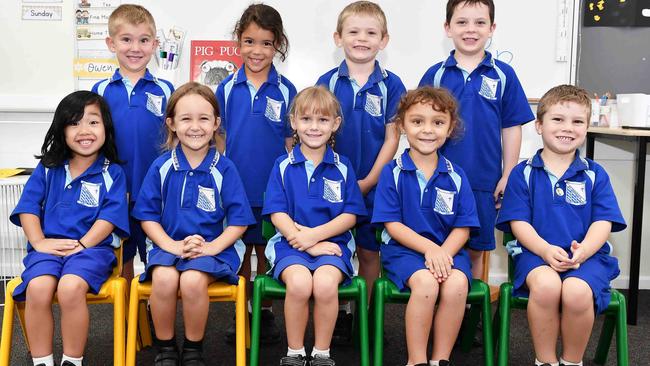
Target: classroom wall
[[42, 51]]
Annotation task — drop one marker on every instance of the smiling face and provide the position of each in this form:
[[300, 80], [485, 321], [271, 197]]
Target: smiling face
[[426, 129], [314, 129], [86, 137], [470, 28], [563, 128], [257, 49], [361, 38], [133, 46], [194, 123]]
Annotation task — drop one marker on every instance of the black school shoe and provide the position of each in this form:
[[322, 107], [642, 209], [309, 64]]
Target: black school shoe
[[297, 360], [192, 357], [343, 329], [445, 363], [322, 361], [167, 356]]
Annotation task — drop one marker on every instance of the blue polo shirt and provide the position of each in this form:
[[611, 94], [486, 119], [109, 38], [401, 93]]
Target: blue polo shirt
[[186, 201], [560, 209], [490, 99], [138, 116], [256, 124], [68, 207], [431, 208], [366, 111], [313, 196]]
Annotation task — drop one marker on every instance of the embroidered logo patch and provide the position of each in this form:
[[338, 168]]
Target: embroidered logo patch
[[576, 193], [206, 200], [332, 190], [373, 105], [89, 195], [273, 110], [444, 204], [154, 104], [489, 88]]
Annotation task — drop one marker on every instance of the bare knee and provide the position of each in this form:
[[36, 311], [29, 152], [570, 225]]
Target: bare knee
[[194, 285], [299, 287], [455, 288], [71, 291], [577, 296], [165, 281], [424, 286], [545, 286], [326, 287], [40, 290]]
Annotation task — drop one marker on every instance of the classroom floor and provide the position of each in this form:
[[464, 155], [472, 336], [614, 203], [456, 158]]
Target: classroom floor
[[100, 341]]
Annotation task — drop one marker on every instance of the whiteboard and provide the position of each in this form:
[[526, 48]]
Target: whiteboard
[[37, 58]]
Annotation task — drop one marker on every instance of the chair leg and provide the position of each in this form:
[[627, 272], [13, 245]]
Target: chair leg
[[621, 332], [258, 293], [605, 339], [240, 323], [379, 295], [119, 298], [362, 314], [144, 331], [488, 346], [7, 324], [504, 326], [132, 327]]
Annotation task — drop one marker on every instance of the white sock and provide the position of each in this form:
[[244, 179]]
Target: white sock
[[269, 308], [320, 353], [565, 362], [74, 361], [296, 352], [433, 363], [250, 307], [47, 360], [345, 307], [540, 363]]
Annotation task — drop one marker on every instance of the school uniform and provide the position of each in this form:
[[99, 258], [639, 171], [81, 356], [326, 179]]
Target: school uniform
[[256, 125], [312, 196], [187, 201], [367, 109], [561, 209], [490, 99], [138, 113], [431, 208], [67, 209]]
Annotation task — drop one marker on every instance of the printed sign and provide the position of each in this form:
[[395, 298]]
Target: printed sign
[[35, 12], [96, 68]]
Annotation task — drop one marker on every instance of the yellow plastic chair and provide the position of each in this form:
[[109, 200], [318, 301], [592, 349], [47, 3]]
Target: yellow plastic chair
[[113, 291], [217, 291]]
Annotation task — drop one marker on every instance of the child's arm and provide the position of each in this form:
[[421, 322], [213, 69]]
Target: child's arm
[[555, 256], [386, 154], [456, 240], [596, 237], [437, 259], [32, 227], [157, 234], [306, 237], [511, 148], [98, 232]]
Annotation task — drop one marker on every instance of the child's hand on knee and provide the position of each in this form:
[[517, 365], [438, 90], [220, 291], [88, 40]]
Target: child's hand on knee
[[303, 239], [578, 254], [438, 262], [193, 246], [557, 258], [58, 247], [325, 248]]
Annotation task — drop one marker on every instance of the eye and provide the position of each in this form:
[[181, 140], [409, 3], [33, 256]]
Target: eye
[[268, 44], [145, 40], [372, 32], [125, 39], [439, 122], [324, 119], [416, 121], [95, 122], [556, 119], [481, 22], [579, 122], [353, 32], [75, 123], [461, 22], [248, 42]]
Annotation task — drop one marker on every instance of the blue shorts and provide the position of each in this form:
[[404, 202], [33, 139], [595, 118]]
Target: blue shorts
[[137, 240], [94, 265], [284, 256], [483, 238], [253, 234], [597, 271], [365, 235], [223, 266], [400, 263]]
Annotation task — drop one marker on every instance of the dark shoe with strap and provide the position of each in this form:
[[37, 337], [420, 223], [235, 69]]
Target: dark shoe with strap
[[297, 360], [322, 361], [445, 363], [167, 356], [192, 357]]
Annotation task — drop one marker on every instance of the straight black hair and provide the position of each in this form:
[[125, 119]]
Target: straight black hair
[[71, 109]]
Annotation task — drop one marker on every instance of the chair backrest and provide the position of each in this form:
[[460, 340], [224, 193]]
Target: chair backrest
[[508, 237]]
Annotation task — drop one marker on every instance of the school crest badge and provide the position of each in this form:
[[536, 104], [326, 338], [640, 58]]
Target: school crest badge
[[489, 88], [444, 203], [155, 104], [373, 105], [273, 110], [576, 193], [206, 201], [332, 190], [89, 194]]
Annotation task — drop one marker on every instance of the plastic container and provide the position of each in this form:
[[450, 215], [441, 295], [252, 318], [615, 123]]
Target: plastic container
[[633, 109]]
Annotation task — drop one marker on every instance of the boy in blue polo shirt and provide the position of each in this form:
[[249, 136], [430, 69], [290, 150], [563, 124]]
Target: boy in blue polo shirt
[[561, 208], [493, 107], [368, 95], [137, 101]]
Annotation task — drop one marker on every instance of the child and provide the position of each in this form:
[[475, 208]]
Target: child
[[137, 100], [313, 200], [73, 211], [255, 101], [493, 107], [369, 96], [187, 197], [426, 205], [561, 208]]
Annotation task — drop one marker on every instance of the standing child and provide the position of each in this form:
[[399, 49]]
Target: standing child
[[137, 100], [369, 96], [561, 208], [73, 211], [313, 200], [493, 107], [193, 209], [426, 205], [255, 101]]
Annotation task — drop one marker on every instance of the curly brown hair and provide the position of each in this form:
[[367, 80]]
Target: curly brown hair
[[440, 100]]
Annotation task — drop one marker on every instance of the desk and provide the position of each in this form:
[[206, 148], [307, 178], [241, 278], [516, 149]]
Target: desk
[[641, 138]]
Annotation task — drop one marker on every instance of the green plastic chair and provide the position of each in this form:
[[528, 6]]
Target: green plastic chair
[[615, 319], [265, 287]]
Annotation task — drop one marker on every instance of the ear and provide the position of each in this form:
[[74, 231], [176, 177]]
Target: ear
[[110, 44], [337, 124], [337, 39], [384, 41], [217, 123], [292, 122], [447, 29], [493, 27], [170, 123], [538, 126]]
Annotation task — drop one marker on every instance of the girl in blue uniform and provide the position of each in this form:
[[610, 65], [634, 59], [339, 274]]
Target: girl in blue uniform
[[313, 200], [255, 101], [426, 205], [561, 208], [193, 209], [73, 211]]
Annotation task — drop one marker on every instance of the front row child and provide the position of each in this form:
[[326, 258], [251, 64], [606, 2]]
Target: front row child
[[313, 200], [73, 211], [427, 207], [561, 208], [186, 199]]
